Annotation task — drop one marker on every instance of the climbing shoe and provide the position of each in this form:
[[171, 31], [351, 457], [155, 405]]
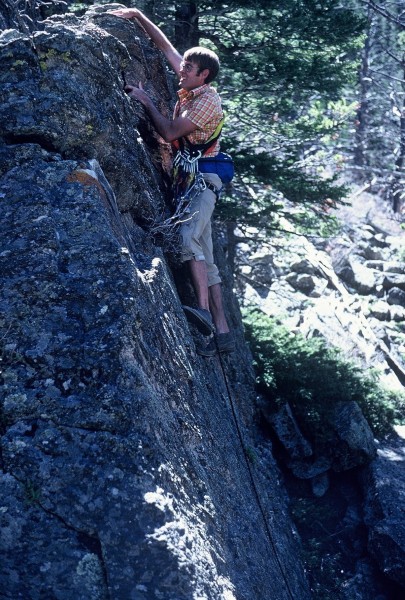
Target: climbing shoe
[[221, 342], [201, 318]]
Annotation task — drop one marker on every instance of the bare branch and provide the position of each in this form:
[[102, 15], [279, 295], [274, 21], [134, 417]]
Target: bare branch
[[385, 13]]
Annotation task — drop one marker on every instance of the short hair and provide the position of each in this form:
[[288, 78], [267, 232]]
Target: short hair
[[204, 59]]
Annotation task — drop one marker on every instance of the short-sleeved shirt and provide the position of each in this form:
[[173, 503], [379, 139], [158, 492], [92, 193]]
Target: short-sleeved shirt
[[203, 107]]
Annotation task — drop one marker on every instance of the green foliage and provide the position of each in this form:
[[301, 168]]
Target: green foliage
[[328, 536], [312, 378], [283, 66]]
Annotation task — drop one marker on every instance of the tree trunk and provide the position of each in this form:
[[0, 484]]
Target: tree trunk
[[396, 193], [186, 26], [360, 143]]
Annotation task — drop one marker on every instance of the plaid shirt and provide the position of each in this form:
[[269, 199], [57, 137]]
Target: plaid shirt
[[203, 107]]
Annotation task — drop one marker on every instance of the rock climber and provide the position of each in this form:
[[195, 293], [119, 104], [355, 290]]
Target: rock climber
[[197, 118]]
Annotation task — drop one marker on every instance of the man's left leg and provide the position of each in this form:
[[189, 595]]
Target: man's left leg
[[201, 316], [208, 298], [223, 340], [199, 278]]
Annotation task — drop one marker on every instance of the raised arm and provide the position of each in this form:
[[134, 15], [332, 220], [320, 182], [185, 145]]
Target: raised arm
[[156, 35]]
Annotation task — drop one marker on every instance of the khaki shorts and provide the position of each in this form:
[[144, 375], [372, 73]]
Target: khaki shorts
[[196, 233]]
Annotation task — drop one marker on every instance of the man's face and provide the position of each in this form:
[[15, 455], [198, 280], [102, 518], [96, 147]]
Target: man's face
[[189, 80]]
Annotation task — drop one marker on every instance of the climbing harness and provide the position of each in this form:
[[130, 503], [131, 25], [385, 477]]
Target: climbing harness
[[252, 480], [186, 164]]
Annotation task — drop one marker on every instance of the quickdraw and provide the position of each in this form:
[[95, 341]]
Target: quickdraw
[[188, 162], [187, 181]]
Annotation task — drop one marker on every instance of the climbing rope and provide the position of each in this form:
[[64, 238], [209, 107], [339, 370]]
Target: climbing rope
[[251, 476]]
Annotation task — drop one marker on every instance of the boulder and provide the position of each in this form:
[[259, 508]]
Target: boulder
[[388, 266], [320, 485], [394, 280], [287, 431], [380, 310], [365, 583], [356, 275], [370, 252], [302, 282], [394, 267], [379, 240], [355, 444], [378, 265], [309, 469], [303, 265], [395, 295], [397, 313]]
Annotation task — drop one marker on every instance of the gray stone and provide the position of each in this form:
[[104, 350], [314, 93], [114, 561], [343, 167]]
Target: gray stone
[[379, 265], [303, 265], [394, 280], [288, 432], [394, 267], [358, 276], [397, 313], [380, 310], [396, 296], [388, 266], [379, 240], [365, 584], [355, 442], [301, 282], [310, 468], [320, 485], [371, 253]]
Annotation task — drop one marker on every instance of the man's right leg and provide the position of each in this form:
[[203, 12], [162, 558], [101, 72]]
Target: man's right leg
[[199, 278], [191, 231]]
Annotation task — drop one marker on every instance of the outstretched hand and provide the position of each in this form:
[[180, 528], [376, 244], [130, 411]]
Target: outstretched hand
[[137, 93], [125, 13]]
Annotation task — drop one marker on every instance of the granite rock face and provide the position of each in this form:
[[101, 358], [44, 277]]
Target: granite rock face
[[124, 464]]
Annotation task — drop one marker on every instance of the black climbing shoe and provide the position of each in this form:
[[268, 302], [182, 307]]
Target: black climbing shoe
[[221, 342], [201, 318]]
